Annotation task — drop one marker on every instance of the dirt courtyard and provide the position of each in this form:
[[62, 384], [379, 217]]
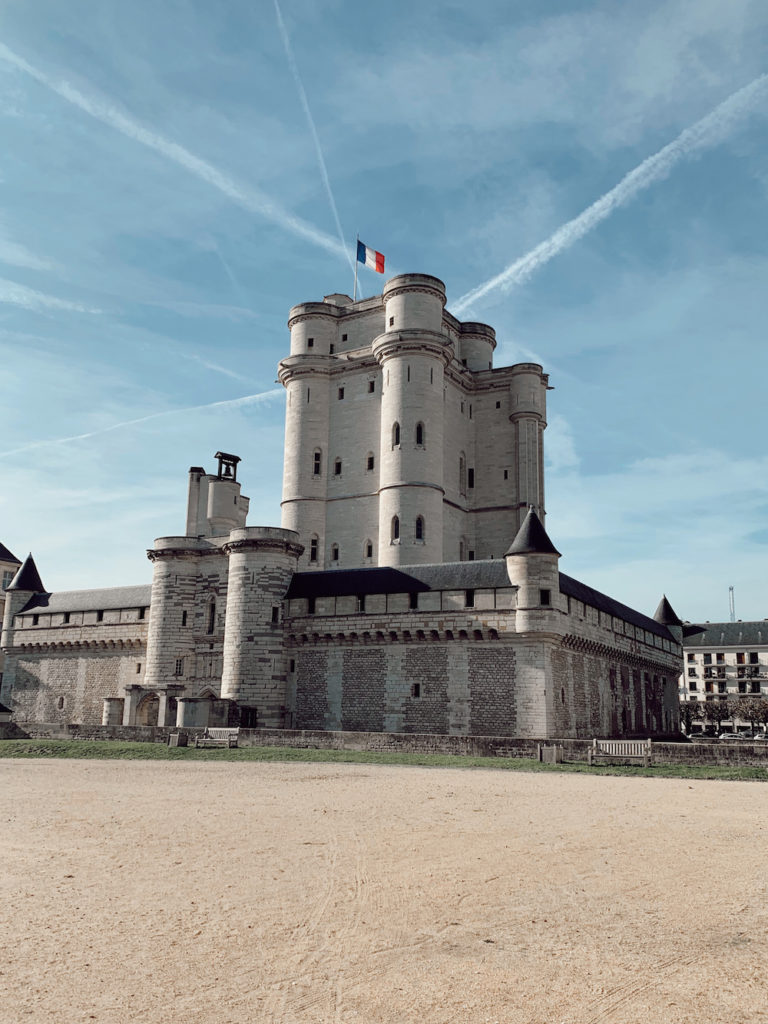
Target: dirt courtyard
[[221, 893]]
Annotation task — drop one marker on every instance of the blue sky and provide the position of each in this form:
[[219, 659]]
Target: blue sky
[[163, 205]]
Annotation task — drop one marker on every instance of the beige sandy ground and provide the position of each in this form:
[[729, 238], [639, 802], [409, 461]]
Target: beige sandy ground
[[215, 893]]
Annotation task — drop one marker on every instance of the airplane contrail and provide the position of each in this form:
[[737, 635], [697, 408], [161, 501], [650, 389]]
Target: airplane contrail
[[702, 135], [231, 403], [28, 298], [250, 199], [312, 127]]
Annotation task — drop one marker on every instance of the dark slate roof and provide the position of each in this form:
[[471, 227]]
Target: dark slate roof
[[6, 556], [730, 634], [406, 580], [581, 592], [92, 600], [532, 538], [27, 578], [665, 614], [4, 710], [451, 576]]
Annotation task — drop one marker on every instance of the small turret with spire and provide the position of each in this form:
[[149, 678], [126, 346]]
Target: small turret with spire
[[532, 566], [25, 585], [665, 615]]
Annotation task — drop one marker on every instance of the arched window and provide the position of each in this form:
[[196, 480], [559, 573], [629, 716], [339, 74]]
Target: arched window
[[317, 462], [211, 617], [337, 467], [419, 528], [395, 435], [334, 552], [420, 435], [462, 473], [395, 528], [313, 548]]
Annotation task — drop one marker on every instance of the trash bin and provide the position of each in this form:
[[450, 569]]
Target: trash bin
[[178, 739]]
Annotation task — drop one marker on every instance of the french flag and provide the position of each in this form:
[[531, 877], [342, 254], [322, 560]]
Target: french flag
[[371, 258]]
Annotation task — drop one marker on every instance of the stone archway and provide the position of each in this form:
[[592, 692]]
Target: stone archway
[[147, 710]]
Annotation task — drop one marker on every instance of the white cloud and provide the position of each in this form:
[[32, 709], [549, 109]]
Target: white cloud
[[18, 255], [19, 295]]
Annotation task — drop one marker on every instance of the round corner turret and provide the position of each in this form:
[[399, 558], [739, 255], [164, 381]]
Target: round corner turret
[[476, 345], [414, 302], [313, 328]]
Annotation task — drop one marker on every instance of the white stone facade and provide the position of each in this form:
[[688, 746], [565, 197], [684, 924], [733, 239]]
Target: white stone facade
[[404, 445]]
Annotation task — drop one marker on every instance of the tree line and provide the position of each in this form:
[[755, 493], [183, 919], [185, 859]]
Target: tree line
[[714, 712]]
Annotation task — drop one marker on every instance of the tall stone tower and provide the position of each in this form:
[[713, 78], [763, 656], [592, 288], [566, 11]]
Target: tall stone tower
[[403, 444]]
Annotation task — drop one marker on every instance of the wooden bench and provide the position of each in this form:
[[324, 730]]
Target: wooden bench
[[217, 738], [630, 750]]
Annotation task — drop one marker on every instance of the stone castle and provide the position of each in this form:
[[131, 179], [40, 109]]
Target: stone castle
[[412, 586]]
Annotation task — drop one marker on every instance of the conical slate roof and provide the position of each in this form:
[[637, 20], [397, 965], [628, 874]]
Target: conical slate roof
[[532, 538], [27, 578], [665, 613], [7, 556]]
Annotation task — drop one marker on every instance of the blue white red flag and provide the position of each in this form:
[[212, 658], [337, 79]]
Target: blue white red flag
[[371, 258]]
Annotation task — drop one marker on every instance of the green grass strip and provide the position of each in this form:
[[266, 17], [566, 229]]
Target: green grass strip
[[114, 750]]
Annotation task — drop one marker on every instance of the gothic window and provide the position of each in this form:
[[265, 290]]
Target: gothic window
[[413, 600], [419, 528], [370, 461], [469, 598], [211, 617], [420, 435], [313, 549], [371, 387], [334, 552], [317, 462], [341, 394], [369, 549], [395, 435], [395, 528], [337, 467]]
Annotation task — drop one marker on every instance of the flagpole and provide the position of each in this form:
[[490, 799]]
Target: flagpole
[[354, 293]]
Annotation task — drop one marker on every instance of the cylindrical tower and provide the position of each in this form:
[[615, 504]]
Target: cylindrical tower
[[261, 563], [222, 510], [413, 354], [174, 582], [476, 345], [305, 375], [528, 402]]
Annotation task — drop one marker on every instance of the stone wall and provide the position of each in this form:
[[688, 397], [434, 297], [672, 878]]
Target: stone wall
[[746, 754], [64, 686]]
